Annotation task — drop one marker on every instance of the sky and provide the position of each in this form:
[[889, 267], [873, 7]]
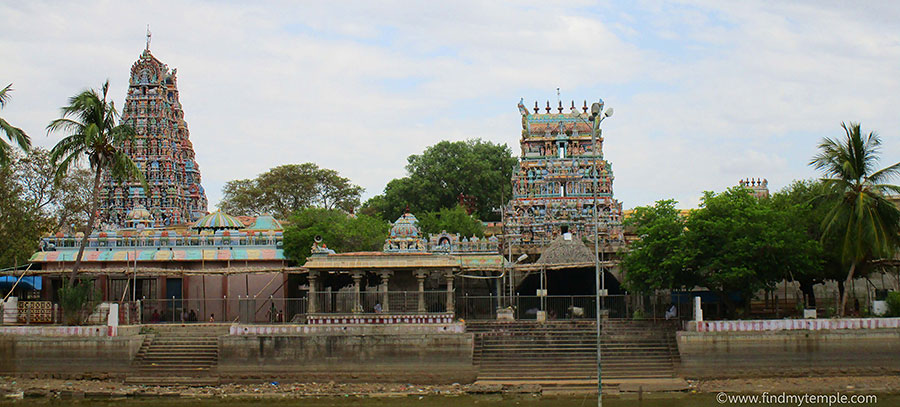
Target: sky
[[705, 93]]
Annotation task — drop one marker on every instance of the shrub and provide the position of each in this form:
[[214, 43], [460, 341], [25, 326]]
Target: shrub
[[77, 301], [893, 304]]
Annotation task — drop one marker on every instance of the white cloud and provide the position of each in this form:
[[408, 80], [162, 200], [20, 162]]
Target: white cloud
[[705, 93]]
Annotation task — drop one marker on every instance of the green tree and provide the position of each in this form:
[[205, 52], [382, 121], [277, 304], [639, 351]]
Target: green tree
[[94, 134], [865, 222], [438, 176], [657, 259], [20, 228], [800, 200], [339, 231], [285, 189], [738, 243], [13, 134], [454, 220]]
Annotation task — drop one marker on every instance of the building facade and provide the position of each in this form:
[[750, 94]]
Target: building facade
[[162, 150], [553, 184]]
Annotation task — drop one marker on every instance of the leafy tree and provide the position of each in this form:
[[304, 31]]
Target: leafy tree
[[339, 232], [657, 260], [738, 243], [63, 201], [95, 135], [865, 222], [13, 134], [20, 228], [438, 176], [800, 200], [286, 189], [454, 220]]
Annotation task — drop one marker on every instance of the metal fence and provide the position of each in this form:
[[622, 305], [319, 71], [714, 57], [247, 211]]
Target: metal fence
[[396, 302], [565, 307]]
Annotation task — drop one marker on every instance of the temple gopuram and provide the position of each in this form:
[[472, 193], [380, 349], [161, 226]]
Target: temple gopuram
[[554, 180], [162, 150]]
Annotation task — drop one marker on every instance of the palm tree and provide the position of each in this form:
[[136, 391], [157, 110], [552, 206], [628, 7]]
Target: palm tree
[[13, 134], [866, 224], [90, 122]]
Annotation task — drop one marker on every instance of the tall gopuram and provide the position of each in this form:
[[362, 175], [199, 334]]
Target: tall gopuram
[[162, 150], [553, 182]]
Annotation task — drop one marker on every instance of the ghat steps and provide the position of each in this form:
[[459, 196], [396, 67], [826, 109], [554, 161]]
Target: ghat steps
[[562, 355], [178, 355]]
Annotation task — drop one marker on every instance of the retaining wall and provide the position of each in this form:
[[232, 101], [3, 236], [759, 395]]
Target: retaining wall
[[421, 354], [798, 352], [79, 354]]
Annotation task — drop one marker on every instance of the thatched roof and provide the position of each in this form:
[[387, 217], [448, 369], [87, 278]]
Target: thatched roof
[[562, 251]]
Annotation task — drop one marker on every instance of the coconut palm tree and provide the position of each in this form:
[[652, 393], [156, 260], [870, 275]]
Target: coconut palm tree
[[13, 134], [866, 224], [93, 134]]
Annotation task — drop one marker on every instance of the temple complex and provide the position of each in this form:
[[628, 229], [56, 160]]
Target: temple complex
[[554, 180], [162, 150]]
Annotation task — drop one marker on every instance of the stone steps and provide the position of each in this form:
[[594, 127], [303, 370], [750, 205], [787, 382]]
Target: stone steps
[[562, 355], [177, 355]]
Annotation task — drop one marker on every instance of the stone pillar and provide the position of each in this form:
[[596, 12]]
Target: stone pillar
[[311, 300], [357, 278], [420, 276], [449, 276], [385, 298]]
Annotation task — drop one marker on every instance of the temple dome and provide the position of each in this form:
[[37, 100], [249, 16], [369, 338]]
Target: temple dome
[[406, 226], [218, 220]]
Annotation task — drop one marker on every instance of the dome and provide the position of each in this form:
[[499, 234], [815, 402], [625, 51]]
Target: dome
[[566, 250], [265, 222], [218, 220], [405, 226]]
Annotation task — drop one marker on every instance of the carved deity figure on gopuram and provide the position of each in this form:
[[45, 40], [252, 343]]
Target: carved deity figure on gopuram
[[162, 150], [553, 184]]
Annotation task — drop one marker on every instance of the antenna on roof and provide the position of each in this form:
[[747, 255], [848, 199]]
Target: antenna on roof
[[148, 37]]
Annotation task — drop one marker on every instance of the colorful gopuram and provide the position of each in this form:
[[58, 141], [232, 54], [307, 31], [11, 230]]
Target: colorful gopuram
[[554, 180], [162, 150]]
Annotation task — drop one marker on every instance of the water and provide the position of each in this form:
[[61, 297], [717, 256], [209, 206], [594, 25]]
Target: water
[[660, 400]]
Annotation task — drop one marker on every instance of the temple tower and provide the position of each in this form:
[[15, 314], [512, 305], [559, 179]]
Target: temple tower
[[553, 182], [162, 150]]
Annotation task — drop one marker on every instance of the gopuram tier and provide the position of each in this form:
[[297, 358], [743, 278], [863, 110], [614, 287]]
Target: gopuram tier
[[162, 150], [553, 184]]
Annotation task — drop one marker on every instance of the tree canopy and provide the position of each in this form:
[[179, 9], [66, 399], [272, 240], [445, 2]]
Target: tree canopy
[[34, 202], [454, 220], [734, 243], [478, 170], [285, 189], [339, 231]]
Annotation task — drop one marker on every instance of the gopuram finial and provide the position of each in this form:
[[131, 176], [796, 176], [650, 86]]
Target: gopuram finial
[[148, 37]]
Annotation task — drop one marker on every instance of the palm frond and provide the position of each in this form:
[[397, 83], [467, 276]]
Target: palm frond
[[4, 95], [15, 135]]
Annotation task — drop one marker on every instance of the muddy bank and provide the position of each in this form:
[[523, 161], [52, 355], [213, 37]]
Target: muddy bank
[[23, 388]]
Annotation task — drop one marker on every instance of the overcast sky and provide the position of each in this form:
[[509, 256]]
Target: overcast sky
[[705, 92]]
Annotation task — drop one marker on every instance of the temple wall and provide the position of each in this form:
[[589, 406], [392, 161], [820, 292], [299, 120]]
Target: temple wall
[[385, 353], [789, 353], [68, 357]]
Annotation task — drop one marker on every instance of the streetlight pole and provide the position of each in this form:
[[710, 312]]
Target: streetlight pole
[[597, 118]]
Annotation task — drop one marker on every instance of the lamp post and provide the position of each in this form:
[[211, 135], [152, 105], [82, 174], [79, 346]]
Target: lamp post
[[597, 117], [140, 229]]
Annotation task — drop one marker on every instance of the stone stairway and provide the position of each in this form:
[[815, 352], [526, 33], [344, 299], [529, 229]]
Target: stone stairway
[[178, 355], [562, 355]]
